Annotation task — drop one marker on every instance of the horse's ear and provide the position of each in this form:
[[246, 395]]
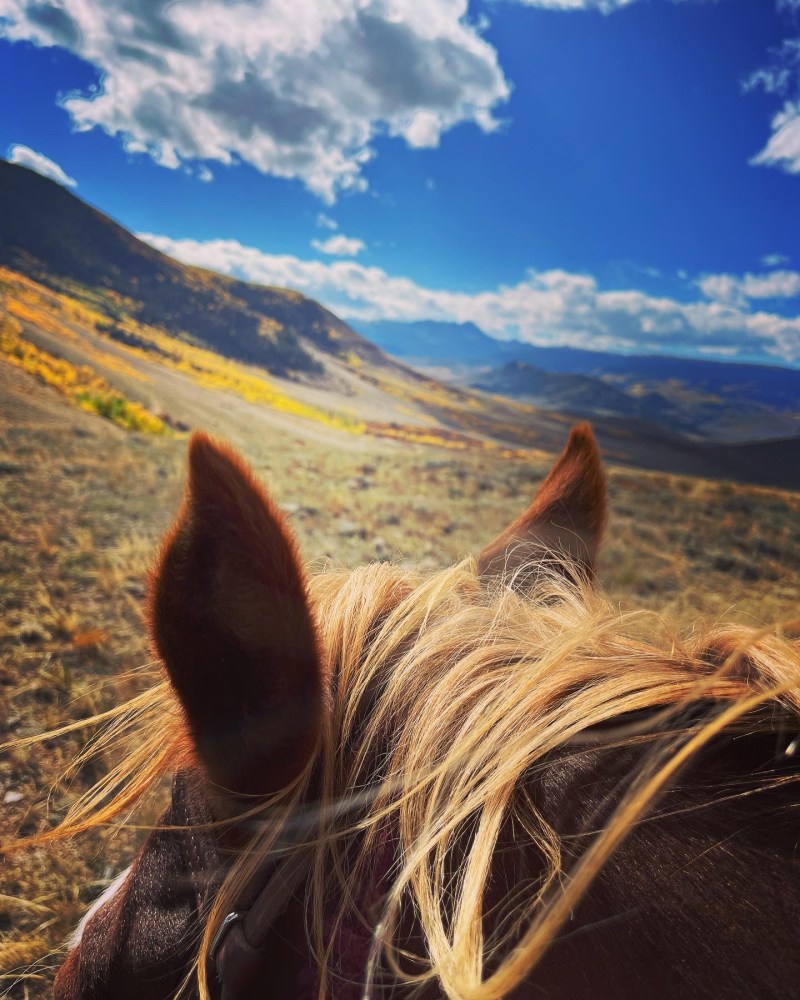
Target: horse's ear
[[230, 620], [565, 522]]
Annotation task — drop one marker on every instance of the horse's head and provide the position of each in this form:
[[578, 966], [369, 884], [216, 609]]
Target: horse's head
[[297, 697], [230, 620]]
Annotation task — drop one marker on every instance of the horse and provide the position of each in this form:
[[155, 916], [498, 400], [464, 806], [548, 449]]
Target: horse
[[485, 782]]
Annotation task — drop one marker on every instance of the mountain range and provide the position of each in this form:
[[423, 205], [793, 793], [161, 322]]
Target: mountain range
[[707, 399], [80, 294]]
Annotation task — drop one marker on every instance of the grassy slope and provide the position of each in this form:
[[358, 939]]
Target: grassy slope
[[356, 395], [49, 234]]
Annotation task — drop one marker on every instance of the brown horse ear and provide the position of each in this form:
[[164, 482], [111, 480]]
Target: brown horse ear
[[565, 522], [230, 620]]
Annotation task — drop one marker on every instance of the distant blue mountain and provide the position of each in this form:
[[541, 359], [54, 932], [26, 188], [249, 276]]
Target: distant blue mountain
[[458, 345]]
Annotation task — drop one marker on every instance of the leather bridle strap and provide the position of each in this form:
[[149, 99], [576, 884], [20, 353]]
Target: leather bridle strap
[[237, 949]]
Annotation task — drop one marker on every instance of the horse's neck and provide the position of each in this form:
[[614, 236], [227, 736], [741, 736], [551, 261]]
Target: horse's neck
[[700, 900]]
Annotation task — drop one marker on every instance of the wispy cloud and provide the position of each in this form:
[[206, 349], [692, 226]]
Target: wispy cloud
[[604, 6], [297, 88], [546, 307], [326, 222], [781, 76], [783, 148], [774, 259], [42, 164], [339, 245]]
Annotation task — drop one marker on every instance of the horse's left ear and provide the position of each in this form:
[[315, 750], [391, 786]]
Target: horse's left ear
[[564, 524], [230, 620]]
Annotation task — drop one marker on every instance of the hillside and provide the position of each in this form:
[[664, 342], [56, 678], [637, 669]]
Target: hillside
[[666, 403], [557, 390], [50, 235], [154, 346]]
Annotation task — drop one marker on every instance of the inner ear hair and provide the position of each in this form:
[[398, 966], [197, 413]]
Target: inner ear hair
[[230, 620]]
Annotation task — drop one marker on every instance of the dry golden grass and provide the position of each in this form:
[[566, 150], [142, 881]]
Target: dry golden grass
[[79, 383], [77, 328], [82, 505]]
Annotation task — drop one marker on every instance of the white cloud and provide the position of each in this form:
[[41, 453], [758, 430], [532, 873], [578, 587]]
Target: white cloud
[[297, 88], [604, 6], [326, 222], [339, 245], [204, 174], [720, 352], [783, 148], [740, 290], [775, 259], [424, 130], [782, 77], [42, 164], [720, 287], [546, 307], [775, 285]]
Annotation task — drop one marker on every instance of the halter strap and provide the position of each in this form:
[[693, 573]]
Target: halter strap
[[237, 949], [238, 946]]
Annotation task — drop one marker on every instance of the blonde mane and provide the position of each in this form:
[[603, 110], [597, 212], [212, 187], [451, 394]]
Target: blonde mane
[[446, 697]]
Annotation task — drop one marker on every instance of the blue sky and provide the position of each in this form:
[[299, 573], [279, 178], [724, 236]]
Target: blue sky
[[616, 174]]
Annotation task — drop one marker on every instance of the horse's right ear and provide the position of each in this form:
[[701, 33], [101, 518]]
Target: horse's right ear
[[564, 524], [230, 621]]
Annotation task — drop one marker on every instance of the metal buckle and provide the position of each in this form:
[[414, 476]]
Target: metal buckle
[[219, 938]]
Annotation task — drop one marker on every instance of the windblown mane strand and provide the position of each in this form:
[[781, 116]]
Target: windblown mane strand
[[446, 695]]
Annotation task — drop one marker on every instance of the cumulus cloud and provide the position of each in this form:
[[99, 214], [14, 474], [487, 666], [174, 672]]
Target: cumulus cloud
[[546, 307], [339, 245], [42, 164], [326, 222], [297, 88]]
